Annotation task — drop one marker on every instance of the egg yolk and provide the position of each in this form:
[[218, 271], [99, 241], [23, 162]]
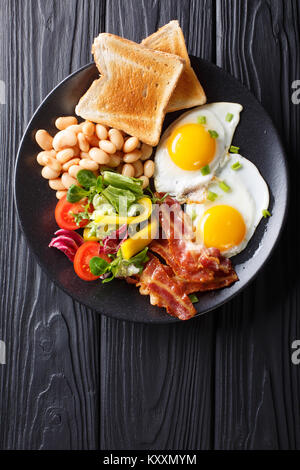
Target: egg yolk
[[222, 227], [191, 147]]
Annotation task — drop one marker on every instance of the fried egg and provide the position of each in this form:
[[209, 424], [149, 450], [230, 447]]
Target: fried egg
[[233, 208], [194, 147]]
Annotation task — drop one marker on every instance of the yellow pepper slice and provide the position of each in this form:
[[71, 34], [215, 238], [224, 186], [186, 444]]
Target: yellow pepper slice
[[120, 220], [139, 240], [87, 237]]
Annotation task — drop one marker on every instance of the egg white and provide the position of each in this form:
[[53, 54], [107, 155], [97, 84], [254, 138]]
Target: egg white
[[248, 194], [168, 177]]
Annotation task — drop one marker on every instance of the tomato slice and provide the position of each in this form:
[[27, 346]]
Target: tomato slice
[[63, 214], [82, 258]]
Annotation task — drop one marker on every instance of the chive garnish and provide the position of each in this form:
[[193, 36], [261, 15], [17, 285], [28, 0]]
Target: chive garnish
[[229, 117], [205, 170], [211, 196], [213, 134], [193, 298], [224, 186], [266, 213], [236, 166], [234, 149], [201, 120]]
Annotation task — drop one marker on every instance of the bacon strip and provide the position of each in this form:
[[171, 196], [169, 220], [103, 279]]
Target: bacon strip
[[165, 291]]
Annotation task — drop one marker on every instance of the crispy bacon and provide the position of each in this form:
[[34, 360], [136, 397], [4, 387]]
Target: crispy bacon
[[165, 290], [189, 267]]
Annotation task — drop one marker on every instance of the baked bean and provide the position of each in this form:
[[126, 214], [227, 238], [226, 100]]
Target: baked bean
[[64, 139], [76, 128], [101, 132], [56, 184], [88, 164], [146, 151], [44, 139], [107, 146], [116, 138], [65, 155], [84, 155], [73, 170], [92, 140], [68, 180], [138, 168], [114, 161], [49, 174], [52, 163], [99, 156], [76, 150], [132, 156], [149, 168], [82, 142], [65, 121], [74, 161], [128, 170], [130, 144], [60, 194], [88, 128], [145, 180], [45, 153]]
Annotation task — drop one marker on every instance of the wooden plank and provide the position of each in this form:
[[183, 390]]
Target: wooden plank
[[156, 381], [50, 384], [257, 386]]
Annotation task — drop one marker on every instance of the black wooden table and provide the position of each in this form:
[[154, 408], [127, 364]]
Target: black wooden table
[[74, 379]]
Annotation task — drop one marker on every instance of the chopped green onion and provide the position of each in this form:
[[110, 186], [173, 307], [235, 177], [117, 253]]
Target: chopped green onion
[[266, 213], [194, 215], [211, 196], [201, 120], [234, 149], [236, 166], [205, 170], [224, 186], [213, 134], [193, 298], [229, 117]]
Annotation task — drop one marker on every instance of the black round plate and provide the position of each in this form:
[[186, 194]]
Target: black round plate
[[35, 201]]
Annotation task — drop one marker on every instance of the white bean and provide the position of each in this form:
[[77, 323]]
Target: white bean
[[74, 161], [64, 139], [49, 174], [116, 138], [149, 168], [52, 163], [101, 132], [107, 146], [138, 168], [88, 128], [146, 151], [130, 144], [73, 170], [83, 143], [99, 156], [56, 184], [60, 194], [132, 156], [128, 170], [145, 180], [88, 164], [44, 139], [65, 155], [65, 121], [67, 180], [45, 153]]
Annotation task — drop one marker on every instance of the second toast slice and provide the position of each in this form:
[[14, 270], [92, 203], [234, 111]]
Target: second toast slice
[[134, 89]]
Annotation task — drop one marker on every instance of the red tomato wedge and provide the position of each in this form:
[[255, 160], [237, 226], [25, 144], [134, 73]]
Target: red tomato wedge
[[82, 259], [63, 214]]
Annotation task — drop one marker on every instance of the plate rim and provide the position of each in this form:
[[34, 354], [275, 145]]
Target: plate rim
[[167, 319]]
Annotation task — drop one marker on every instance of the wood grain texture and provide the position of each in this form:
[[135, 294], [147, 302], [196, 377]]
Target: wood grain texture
[[50, 384], [74, 380], [257, 386], [157, 382]]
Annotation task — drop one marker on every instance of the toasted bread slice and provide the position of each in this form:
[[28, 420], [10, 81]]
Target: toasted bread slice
[[189, 91], [135, 87]]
